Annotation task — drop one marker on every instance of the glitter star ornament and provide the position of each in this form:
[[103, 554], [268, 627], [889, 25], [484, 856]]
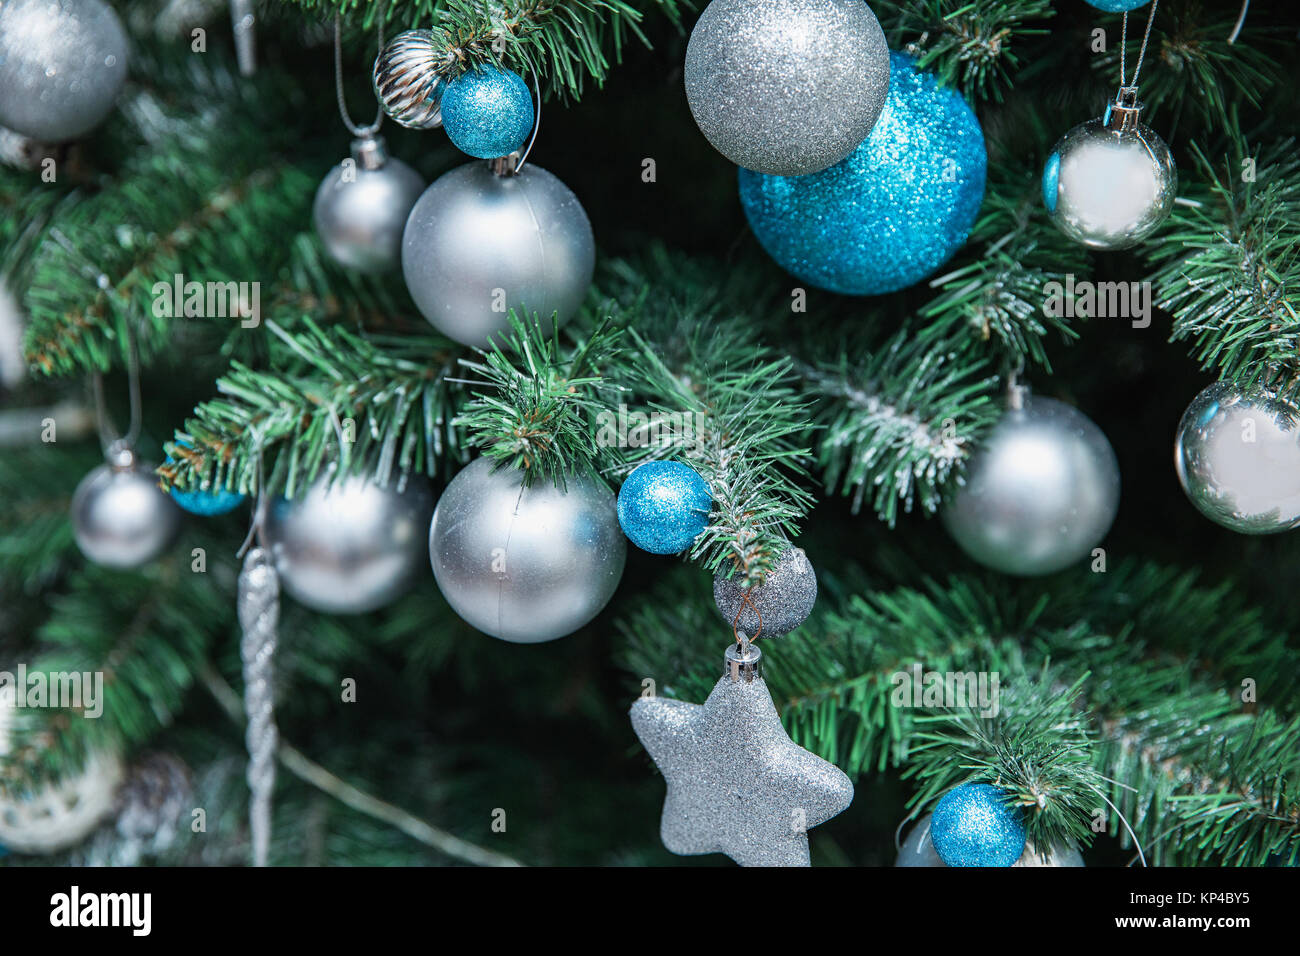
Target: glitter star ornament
[[737, 783]]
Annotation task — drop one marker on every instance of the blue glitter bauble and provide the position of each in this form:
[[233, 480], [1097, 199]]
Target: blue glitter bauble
[[663, 506], [1117, 6], [973, 826], [487, 112], [891, 213], [206, 503]]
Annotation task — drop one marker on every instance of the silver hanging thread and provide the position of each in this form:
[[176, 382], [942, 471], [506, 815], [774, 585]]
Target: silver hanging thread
[[244, 22], [259, 613]]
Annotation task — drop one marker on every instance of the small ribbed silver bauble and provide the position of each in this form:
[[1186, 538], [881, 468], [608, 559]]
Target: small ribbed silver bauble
[[479, 244], [120, 517], [1040, 493], [525, 564], [407, 81], [351, 545], [1238, 458], [362, 205], [1110, 183]]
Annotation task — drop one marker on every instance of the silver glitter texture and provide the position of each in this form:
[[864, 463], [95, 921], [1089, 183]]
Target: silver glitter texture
[[787, 87], [784, 599], [917, 850], [476, 242], [1237, 454], [407, 81], [1039, 494], [62, 64], [737, 783], [525, 565], [259, 616]]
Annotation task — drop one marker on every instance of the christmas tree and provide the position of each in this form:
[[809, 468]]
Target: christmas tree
[[925, 356]]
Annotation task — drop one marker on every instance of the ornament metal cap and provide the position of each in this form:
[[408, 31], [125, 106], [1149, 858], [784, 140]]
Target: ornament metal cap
[[120, 455], [506, 165], [742, 662], [1123, 112], [370, 152]]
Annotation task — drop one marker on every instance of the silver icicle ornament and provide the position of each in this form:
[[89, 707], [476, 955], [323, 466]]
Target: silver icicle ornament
[[1110, 182], [525, 565], [737, 783], [1237, 454], [1040, 493], [120, 517], [362, 204], [483, 241], [917, 850], [259, 618], [407, 83]]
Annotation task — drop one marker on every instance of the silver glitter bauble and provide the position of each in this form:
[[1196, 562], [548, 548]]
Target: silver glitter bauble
[[120, 517], [351, 545], [62, 64], [1110, 182], [1238, 458], [1039, 494], [362, 205], [786, 87], [777, 606], [737, 783], [917, 850], [525, 564], [478, 245], [407, 81]]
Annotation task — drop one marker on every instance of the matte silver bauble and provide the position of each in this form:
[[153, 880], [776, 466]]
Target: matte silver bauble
[[1039, 494], [407, 81], [62, 64], [478, 245], [120, 517], [525, 564], [362, 205], [352, 545], [777, 606], [1238, 458], [786, 87], [1110, 182], [917, 850]]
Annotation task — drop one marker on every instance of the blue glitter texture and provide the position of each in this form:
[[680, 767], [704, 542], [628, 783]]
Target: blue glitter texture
[[892, 212], [487, 112], [1117, 6], [972, 826], [209, 503], [663, 506]]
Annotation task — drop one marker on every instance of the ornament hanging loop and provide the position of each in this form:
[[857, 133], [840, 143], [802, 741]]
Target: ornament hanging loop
[[1124, 82], [113, 444], [360, 132], [735, 621]]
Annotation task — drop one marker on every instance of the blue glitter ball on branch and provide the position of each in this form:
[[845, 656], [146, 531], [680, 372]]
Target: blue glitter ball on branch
[[891, 213], [487, 111], [1117, 6], [663, 506], [209, 502], [973, 826]]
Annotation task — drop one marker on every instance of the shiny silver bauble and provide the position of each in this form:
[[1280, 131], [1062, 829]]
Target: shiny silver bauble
[[1039, 494], [525, 564], [1110, 182], [777, 606], [62, 64], [120, 517], [351, 545], [362, 205], [407, 82], [478, 245], [917, 850], [1237, 454], [786, 87]]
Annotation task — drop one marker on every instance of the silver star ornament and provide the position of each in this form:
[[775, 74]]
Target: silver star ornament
[[737, 783]]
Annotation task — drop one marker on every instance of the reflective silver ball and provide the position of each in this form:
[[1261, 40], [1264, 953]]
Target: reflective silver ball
[[62, 64], [786, 87], [525, 564], [784, 599], [351, 546], [407, 81], [917, 850], [478, 244], [1238, 458], [1039, 494], [1109, 189], [362, 205], [120, 517]]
